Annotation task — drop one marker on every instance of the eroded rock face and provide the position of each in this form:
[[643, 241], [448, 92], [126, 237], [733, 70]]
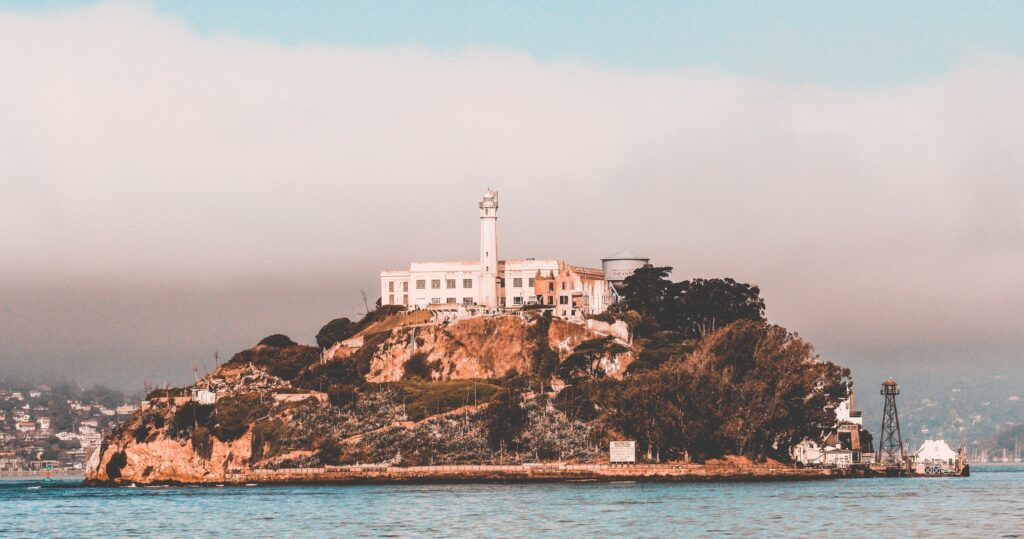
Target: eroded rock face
[[483, 347], [161, 458]]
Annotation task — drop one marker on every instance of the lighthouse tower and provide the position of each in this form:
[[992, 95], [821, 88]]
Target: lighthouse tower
[[489, 249]]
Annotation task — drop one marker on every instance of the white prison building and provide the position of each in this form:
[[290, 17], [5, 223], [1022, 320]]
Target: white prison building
[[490, 284]]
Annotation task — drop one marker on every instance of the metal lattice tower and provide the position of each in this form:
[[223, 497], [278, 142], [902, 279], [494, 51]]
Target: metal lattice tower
[[890, 447]]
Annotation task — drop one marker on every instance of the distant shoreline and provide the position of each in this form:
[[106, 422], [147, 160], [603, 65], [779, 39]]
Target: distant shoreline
[[31, 474]]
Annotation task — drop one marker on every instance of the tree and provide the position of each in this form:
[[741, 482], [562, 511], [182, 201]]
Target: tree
[[335, 331], [646, 291], [543, 360], [504, 417], [749, 388], [692, 308], [277, 340], [701, 306], [586, 360]]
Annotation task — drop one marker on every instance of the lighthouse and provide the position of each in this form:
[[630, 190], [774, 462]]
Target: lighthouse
[[489, 249]]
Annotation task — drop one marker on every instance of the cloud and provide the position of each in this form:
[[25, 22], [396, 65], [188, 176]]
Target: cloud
[[143, 159]]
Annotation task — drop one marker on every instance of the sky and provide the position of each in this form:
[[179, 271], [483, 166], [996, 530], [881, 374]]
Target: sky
[[184, 178]]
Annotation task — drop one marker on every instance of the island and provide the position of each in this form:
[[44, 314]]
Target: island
[[690, 373]]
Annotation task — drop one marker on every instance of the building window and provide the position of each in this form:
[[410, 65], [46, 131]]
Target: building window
[[517, 300], [435, 283], [391, 286], [563, 300], [421, 284], [391, 299], [551, 286], [405, 299], [467, 301], [467, 283], [405, 286], [517, 282], [435, 301], [563, 285], [551, 300], [531, 282], [451, 301], [501, 282], [449, 283]]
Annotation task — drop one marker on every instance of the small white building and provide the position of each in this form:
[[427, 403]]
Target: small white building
[[809, 453], [25, 426], [839, 458], [126, 409], [44, 423], [202, 395]]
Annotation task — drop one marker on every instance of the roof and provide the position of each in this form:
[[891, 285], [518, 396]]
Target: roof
[[625, 254]]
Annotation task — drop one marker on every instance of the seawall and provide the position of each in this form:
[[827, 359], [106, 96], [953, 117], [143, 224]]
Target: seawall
[[373, 474]]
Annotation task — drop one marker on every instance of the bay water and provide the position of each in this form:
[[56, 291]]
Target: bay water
[[990, 503]]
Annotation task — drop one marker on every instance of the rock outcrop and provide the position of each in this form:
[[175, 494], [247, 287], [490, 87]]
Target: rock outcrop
[[272, 409]]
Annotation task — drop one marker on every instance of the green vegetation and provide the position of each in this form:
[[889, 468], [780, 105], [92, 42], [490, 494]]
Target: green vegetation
[[749, 389], [585, 360], [116, 463], [543, 360], [268, 437], [689, 308], [285, 362], [335, 331], [202, 443], [416, 367], [187, 418], [277, 340], [423, 399]]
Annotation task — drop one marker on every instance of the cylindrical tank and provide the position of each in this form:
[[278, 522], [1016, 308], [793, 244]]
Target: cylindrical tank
[[621, 265]]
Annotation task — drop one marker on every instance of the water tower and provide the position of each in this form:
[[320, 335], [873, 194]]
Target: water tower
[[890, 448], [621, 265]]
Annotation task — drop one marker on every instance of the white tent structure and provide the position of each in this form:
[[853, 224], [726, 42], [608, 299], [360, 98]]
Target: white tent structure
[[935, 451], [935, 458]]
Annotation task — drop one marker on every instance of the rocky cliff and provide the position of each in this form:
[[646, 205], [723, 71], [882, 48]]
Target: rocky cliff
[[400, 390]]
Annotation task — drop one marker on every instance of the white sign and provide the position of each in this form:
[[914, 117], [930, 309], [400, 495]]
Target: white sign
[[622, 451]]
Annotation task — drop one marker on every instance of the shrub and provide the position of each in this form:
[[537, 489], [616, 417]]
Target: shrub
[[335, 331], [141, 432], [202, 443], [284, 362], [329, 450], [417, 367], [188, 417], [233, 417], [267, 438], [116, 463], [277, 340]]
